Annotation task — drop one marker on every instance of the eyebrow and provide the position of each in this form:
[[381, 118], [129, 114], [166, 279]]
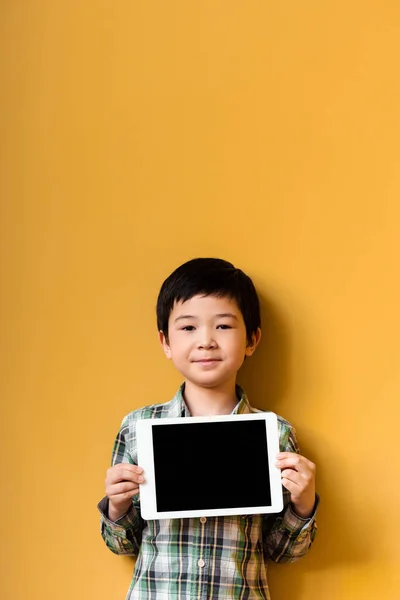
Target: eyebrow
[[219, 316], [222, 315]]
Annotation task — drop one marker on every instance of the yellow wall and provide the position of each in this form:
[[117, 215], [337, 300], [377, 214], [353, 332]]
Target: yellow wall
[[136, 135]]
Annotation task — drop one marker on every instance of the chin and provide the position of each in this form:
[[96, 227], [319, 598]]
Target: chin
[[208, 383]]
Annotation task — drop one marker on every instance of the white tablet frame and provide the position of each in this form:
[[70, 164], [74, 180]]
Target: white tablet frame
[[148, 505]]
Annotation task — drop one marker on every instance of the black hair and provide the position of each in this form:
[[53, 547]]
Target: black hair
[[209, 277]]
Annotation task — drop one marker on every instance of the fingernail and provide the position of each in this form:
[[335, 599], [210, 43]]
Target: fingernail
[[141, 478]]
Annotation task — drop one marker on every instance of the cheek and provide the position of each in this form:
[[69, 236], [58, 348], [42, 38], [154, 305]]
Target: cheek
[[239, 341], [179, 345], [236, 348]]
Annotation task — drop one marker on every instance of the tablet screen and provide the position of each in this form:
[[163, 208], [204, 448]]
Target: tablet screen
[[215, 465], [209, 466]]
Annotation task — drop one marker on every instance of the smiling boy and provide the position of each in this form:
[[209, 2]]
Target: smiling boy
[[208, 319]]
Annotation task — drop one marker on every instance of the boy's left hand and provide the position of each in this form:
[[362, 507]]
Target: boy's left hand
[[298, 476]]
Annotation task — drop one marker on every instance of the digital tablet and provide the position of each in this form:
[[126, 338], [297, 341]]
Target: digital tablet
[[209, 466]]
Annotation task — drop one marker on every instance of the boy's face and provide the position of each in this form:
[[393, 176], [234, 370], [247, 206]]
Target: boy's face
[[207, 340]]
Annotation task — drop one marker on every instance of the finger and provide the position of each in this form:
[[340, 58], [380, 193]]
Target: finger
[[294, 477], [289, 456], [120, 498], [128, 467], [295, 461], [303, 477], [121, 488], [292, 487], [297, 484], [122, 473]]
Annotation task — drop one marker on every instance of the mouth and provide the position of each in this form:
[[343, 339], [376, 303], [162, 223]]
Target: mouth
[[207, 361]]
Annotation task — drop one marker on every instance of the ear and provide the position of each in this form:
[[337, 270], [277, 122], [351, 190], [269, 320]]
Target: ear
[[255, 340], [164, 344]]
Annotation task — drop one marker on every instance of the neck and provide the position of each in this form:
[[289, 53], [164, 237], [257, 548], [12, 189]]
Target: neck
[[202, 401]]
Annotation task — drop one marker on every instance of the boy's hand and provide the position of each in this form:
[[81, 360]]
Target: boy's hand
[[298, 476], [122, 483]]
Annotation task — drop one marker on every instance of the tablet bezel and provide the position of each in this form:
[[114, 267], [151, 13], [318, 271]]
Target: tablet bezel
[[148, 505]]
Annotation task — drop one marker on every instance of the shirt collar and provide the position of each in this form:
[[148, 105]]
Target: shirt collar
[[178, 407], [243, 406]]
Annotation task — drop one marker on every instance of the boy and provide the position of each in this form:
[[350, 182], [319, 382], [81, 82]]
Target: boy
[[208, 318]]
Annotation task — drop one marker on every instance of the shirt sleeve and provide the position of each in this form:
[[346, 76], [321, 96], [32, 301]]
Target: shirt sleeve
[[123, 536], [288, 537]]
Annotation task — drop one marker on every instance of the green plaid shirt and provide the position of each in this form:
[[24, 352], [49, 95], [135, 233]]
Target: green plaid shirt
[[202, 558]]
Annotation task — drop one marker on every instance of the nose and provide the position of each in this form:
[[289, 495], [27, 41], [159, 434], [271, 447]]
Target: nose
[[206, 341]]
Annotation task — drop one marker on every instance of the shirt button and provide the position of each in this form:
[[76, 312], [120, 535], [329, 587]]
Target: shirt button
[[203, 520], [201, 563]]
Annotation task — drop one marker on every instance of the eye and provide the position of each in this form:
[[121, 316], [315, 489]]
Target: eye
[[188, 328], [224, 326]]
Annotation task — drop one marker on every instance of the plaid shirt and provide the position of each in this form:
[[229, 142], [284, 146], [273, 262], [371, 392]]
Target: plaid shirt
[[202, 558]]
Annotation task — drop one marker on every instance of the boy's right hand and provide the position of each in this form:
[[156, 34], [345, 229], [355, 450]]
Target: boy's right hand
[[122, 483]]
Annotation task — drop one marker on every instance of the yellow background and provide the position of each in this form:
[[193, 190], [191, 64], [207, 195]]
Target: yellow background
[[136, 135]]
